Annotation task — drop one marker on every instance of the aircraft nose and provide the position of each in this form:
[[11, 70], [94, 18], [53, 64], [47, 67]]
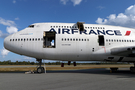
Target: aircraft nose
[[6, 42]]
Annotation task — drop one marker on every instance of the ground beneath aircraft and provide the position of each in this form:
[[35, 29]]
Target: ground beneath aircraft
[[89, 79], [57, 67]]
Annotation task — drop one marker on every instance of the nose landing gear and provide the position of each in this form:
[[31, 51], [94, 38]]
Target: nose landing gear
[[40, 69]]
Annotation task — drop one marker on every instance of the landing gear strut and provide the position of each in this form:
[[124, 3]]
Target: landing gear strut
[[40, 69], [132, 69]]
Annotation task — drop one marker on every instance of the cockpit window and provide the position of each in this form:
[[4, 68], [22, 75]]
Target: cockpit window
[[31, 26]]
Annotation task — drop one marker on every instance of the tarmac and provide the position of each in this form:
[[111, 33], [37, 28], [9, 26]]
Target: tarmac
[[90, 79]]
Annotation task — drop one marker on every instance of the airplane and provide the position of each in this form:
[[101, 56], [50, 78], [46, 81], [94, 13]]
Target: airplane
[[74, 42]]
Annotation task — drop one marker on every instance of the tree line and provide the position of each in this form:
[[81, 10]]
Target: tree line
[[8, 62]]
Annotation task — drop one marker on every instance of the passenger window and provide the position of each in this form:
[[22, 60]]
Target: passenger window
[[30, 39], [38, 39], [21, 39], [33, 39], [24, 39], [71, 39], [18, 39], [13, 39], [10, 39]]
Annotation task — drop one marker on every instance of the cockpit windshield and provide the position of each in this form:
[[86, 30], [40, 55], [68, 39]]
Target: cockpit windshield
[[31, 26]]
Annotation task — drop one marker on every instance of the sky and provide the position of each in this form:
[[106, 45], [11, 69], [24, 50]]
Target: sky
[[16, 15]]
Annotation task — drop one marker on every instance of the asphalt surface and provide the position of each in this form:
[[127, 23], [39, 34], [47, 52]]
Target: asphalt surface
[[92, 79]]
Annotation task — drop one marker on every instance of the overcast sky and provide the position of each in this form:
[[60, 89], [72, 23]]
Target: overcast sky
[[16, 15]]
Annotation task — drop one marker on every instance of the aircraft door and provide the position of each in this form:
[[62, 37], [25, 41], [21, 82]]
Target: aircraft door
[[101, 40], [49, 39]]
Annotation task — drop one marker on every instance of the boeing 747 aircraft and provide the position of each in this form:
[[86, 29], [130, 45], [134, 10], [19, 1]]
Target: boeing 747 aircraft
[[74, 42]]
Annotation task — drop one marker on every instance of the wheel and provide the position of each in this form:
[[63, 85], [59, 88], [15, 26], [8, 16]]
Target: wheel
[[40, 69], [132, 69], [114, 69]]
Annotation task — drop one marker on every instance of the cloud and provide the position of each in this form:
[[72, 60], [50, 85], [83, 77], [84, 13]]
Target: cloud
[[3, 35], [27, 58], [11, 29], [4, 52], [100, 7], [64, 1], [126, 19], [7, 22], [11, 26], [14, 1], [17, 18], [75, 2]]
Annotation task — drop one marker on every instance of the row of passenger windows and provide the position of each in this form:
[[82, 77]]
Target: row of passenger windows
[[67, 39], [27, 39], [107, 40], [76, 27], [114, 40], [71, 39]]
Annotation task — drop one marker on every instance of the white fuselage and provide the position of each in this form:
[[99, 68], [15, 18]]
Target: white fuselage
[[95, 43]]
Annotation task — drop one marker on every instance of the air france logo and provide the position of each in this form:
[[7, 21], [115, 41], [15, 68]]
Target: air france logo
[[127, 33], [87, 32]]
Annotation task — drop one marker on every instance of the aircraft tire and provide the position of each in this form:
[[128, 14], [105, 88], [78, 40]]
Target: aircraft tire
[[114, 69], [132, 69], [40, 69]]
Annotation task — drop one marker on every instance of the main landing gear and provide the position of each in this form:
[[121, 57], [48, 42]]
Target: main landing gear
[[40, 69], [113, 70], [132, 69]]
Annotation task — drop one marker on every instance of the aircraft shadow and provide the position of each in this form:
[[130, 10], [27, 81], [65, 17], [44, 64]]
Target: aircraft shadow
[[102, 71]]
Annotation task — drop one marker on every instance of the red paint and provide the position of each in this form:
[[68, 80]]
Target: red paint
[[104, 49], [127, 33]]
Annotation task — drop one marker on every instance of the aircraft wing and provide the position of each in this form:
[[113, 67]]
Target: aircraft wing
[[128, 51]]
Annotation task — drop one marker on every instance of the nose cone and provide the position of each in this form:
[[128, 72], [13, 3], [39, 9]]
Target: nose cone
[[7, 42]]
